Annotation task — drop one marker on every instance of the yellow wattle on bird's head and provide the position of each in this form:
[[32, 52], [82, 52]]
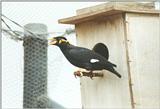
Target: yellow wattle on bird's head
[[57, 40]]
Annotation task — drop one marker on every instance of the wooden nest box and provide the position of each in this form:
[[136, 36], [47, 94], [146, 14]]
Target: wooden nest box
[[132, 33]]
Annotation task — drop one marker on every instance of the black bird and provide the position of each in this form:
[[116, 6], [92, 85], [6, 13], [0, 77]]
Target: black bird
[[83, 57]]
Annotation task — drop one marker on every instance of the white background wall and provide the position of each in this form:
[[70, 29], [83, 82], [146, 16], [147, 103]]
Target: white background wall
[[62, 86]]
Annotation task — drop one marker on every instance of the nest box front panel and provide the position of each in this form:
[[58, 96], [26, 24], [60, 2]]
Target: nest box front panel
[[109, 90]]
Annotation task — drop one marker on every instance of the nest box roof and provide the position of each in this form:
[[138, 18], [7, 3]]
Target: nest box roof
[[108, 9]]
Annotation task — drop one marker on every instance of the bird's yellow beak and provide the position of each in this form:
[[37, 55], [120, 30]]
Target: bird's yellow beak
[[53, 41]]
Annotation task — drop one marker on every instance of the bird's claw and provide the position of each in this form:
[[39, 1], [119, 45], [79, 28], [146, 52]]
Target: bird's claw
[[78, 73], [91, 75], [75, 75]]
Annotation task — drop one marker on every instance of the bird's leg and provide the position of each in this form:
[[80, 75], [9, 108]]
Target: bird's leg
[[91, 74], [88, 73], [78, 73]]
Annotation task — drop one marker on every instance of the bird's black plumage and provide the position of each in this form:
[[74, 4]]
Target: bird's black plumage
[[101, 49], [83, 57]]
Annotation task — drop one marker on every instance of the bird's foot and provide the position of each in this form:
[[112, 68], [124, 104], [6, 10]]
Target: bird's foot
[[78, 73], [82, 72], [91, 75]]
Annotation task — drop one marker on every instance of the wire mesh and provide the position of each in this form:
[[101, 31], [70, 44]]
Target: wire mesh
[[62, 87], [35, 70]]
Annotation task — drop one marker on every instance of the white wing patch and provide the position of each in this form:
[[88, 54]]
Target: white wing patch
[[94, 60]]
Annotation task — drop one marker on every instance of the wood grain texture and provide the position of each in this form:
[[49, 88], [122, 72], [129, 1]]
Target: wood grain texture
[[109, 91], [133, 5], [132, 34], [107, 10], [144, 53]]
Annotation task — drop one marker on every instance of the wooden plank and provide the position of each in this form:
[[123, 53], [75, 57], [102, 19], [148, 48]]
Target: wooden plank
[[127, 5], [106, 11], [144, 54], [109, 91], [128, 62], [90, 16]]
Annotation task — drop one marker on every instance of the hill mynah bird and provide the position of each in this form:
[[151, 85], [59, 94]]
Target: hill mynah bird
[[84, 58]]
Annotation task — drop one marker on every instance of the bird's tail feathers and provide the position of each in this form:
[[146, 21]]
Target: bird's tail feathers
[[115, 72], [114, 65]]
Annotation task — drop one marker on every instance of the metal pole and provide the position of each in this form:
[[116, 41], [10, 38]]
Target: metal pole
[[35, 65]]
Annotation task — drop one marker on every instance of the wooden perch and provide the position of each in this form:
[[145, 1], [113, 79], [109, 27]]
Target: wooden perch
[[94, 74], [82, 73]]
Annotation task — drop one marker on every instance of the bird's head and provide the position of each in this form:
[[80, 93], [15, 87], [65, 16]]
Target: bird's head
[[58, 41]]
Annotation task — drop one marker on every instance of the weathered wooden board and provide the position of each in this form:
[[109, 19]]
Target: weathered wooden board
[[143, 33], [119, 5], [132, 33], [109, 9], [109, 91]]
